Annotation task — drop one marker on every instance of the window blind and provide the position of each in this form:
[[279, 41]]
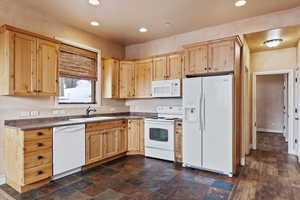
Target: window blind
[[77, 63]]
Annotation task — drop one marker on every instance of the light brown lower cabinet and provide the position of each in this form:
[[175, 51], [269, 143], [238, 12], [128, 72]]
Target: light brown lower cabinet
[[136, 137], [105, 140], [28, 158], [178, 142]]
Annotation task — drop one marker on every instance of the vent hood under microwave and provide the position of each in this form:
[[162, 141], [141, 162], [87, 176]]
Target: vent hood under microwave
[[166, 88]]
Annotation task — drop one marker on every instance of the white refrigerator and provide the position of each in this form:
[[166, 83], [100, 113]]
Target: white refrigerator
[[208, 123]]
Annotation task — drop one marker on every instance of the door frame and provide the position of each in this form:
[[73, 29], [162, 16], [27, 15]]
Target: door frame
[[290, 74]]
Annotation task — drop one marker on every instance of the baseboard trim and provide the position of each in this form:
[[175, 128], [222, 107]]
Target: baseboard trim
[[2, 179], [269, 130]]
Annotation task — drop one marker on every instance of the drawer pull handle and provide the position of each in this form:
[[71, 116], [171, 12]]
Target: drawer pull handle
[[40, 157], [40, 144], [179, 124], [40, 172], [40, 133]]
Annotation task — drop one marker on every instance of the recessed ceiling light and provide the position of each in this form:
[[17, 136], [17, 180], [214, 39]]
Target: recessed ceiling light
[[240, 3], [143, 30], [273, 43], [94, 23], [94, 2]]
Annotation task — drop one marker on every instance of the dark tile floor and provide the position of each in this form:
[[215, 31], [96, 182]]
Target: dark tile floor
[[134, 178], [270, 173]]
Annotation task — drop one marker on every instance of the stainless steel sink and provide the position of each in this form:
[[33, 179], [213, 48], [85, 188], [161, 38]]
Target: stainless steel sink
[[88, 119]]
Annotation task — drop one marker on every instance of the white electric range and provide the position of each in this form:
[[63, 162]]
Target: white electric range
[[160, 133]]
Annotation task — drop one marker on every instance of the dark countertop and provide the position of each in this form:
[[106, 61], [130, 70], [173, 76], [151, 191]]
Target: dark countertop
[[40, 123]]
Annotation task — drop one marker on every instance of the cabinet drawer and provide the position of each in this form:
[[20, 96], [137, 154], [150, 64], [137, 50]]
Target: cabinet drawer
[[37, 134], [37, 158], [38, 173], [36, 145]]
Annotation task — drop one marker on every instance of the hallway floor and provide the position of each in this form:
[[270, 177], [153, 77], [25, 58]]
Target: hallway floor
[[270, 173]]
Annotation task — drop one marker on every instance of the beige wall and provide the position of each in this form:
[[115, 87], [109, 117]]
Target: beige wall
[[13, 13], [269, 102], [174, 43], [274, 60], [255, 24]]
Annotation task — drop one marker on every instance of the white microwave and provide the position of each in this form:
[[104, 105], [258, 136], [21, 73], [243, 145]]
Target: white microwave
[[166, 88]]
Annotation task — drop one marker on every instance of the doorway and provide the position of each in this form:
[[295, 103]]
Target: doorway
[[273, 106]]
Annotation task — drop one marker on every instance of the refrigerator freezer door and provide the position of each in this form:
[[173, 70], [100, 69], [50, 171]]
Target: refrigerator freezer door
[[192, 153], [218, 123]]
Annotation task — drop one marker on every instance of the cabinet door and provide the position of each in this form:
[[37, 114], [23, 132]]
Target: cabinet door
[[110, 147], [122, 140], [221, 56], [196, 60], [127, 80], [94, 150], [133, 136], [159, 68], [24, 64], [174, 66], [111, 74], [143, 78], [47, 68]]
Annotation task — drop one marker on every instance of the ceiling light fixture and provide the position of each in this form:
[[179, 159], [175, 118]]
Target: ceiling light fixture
[[273, 43], [240, 3], [94, 23], [143, 30], [94, 2]]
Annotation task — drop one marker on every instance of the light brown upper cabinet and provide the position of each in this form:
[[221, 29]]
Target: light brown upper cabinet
[[221, 56], [167, 67], [143, 78], [29, 63], [127, 79], [47, 68], [160, 68], [196, 60], [174, 66], [111, 74], [211, 56]]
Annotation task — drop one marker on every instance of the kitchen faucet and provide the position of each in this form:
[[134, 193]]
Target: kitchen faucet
[[89, 109]]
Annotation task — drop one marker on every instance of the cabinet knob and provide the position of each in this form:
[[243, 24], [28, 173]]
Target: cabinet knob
[[40, 133], [40, 172], [40, 144], [40, 157]]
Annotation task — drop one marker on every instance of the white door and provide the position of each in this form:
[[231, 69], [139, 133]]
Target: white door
[[296, 110], [285, 107], [218, 123], [68, 148], [192, 149]]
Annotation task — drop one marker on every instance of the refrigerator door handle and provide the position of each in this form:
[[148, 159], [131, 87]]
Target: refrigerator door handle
[[204, 115], [200, 108]]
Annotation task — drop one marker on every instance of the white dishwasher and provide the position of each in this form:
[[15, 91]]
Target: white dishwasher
[[68, 150]]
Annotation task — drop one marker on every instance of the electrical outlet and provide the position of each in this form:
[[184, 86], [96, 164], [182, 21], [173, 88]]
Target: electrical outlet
[[55, 112], [34, 113], [62, 112], [24, 114]]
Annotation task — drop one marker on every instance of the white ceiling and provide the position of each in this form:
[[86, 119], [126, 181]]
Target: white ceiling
[[121, 19]]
